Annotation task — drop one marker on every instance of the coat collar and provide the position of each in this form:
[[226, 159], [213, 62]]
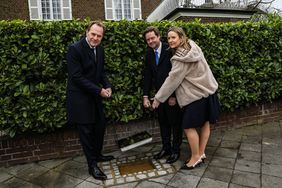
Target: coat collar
[[87, 48]]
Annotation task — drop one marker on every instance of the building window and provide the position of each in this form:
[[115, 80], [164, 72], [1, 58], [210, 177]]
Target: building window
[[123, 9], [50, 9]]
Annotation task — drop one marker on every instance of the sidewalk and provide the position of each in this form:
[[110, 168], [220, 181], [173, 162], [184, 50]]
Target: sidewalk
[[236, 158]]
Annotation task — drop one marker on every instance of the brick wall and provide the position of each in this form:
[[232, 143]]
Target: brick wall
[[14, 9], [65, 143], [94, 9], [254, 114], [148, 6], [88, 8]]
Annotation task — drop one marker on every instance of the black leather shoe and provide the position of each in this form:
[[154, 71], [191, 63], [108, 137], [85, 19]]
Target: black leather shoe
[[162, 154], [172, 158], [103, 158], [97, 173]]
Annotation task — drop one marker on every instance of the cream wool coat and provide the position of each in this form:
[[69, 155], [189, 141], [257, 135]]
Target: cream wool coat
[[190, 77]]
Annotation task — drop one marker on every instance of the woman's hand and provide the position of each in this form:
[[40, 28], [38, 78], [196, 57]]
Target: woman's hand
[[155, 104]]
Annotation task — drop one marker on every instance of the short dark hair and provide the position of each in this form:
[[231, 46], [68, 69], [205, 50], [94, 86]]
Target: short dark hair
[[97, 22], [151, 29]]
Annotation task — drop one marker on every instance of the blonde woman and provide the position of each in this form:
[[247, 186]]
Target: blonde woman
[[195, 87]]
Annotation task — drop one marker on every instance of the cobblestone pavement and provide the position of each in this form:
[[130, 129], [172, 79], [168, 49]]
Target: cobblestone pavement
[[236, 158]]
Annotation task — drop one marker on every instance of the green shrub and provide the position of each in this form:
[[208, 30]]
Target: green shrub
[[244, 56]]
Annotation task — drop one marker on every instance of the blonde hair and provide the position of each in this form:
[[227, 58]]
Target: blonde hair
[[181, 34]]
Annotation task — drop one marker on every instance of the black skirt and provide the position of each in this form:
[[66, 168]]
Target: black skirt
[[200, 111]]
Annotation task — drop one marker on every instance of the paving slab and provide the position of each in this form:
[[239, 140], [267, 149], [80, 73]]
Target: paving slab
[[217, 173], [211, 183], [251, 139], [127, 185], [255, 130], [73, 168], [236, 158], [273, 142], [225, 152], [272, 169], [223, 162], [188, 180], [16, 183], [271, 159], [214, 141], [246, 179], [150, 184], [232, 185], [210, 150], [271, 149], [232, 136], [86, 184], [52, 163], [56, 180], [4, 175], [163, 179], [17, 169], [271, 181], [247, 166], [249, 155], [230, 144], [250, 147]]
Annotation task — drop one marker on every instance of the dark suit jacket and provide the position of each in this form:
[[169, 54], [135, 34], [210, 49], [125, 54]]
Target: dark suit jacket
[[156, 74], [85, 76]]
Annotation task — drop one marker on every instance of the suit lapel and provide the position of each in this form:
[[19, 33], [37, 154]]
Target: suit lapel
[[164, 48]]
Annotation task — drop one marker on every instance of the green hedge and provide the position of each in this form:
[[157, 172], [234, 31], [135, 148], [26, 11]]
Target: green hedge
[[244, 56]]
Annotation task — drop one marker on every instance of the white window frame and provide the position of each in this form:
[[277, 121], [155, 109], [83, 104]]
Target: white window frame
[[35, 11], [110, 10]]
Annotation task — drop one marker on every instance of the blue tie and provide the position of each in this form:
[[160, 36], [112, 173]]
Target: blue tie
[[157, 57]]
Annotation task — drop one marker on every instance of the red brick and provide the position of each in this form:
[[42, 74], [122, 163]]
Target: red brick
[[14, 9], [16, 149], [48, 156], [2, 152], [43, 152], [31, 142], [22, 154], [72, 148], [5, 157]]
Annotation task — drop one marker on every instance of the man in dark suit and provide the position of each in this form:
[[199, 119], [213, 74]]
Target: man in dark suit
[[87, 84], [157, 67]]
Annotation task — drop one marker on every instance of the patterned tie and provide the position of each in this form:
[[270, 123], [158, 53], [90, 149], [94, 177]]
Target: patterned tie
[[157, 57]]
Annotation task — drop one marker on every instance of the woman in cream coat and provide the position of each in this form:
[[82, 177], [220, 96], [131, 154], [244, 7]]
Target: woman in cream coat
[[195, 88]]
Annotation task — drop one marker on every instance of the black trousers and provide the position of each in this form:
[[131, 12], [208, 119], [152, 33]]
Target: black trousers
[[170, 118], [91, 139]]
